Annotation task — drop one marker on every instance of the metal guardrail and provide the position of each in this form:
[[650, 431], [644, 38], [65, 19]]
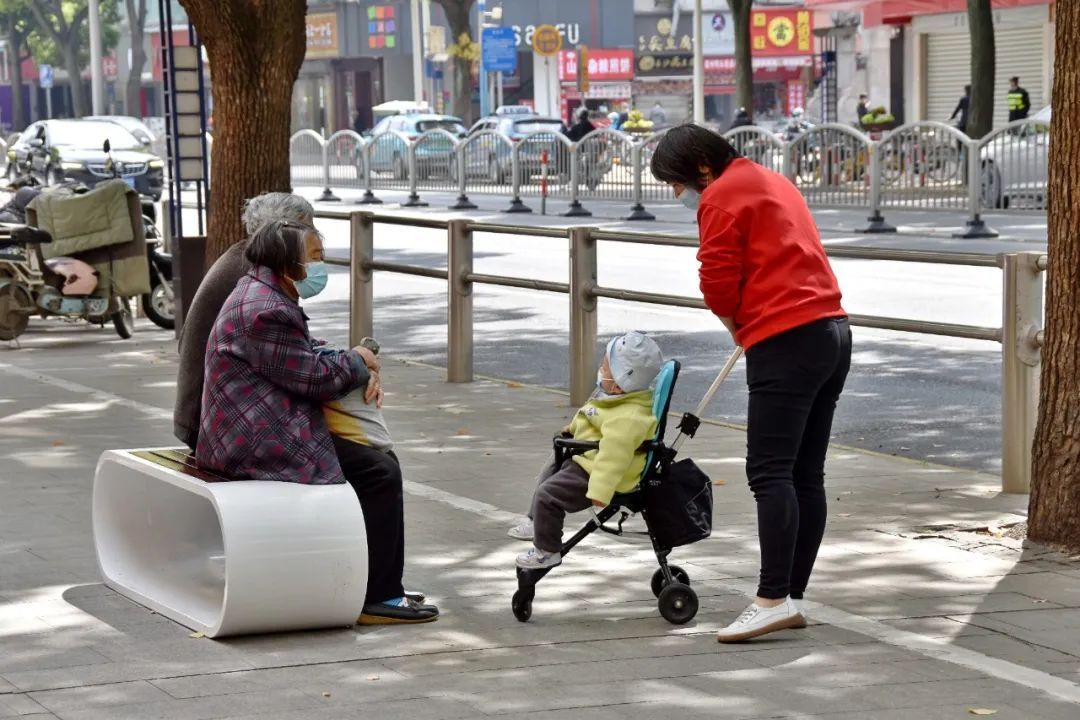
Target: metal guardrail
[[1020, 334], [921, 166]]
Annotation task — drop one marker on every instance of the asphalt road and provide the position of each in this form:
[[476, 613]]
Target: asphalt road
[[909, 395]]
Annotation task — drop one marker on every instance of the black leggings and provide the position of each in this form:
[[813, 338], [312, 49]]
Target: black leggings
[[376, 478], [795, 379]]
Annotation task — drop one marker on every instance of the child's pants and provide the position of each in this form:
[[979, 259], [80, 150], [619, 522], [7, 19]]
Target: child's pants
[[558, 492]]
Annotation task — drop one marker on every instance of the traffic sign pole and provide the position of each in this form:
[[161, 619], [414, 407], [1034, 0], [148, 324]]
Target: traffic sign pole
[[484, 111]]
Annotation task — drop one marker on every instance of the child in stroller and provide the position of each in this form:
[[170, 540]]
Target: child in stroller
[[619, 417]]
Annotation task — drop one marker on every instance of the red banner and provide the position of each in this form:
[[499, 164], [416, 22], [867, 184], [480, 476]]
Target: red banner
[[781, 32], [604, 65]]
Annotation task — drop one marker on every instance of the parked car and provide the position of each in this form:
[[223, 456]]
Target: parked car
[[433, 156], [493, 160], [1014, 166], [57, 150], [133, 125]]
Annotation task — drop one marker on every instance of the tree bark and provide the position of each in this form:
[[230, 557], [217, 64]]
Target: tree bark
[[458, 13], [136, 12], [981, 28], [1054, 509], [75, 80], [255, 49], [744, 63]]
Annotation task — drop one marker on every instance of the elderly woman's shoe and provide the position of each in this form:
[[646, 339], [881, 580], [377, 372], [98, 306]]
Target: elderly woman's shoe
[[402, 611]]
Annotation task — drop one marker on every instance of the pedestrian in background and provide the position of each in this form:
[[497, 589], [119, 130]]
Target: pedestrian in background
[[764, 273], [962, 109], [862, 109], [657, 114], [1018, 99]]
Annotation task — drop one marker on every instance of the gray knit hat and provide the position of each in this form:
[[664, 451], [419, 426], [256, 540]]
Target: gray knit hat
[[635, 360]]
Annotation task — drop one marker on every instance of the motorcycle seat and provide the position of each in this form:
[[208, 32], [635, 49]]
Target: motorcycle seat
[[25, 235]]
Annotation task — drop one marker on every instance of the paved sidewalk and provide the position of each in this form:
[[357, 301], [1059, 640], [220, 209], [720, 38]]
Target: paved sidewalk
[[920, 611]]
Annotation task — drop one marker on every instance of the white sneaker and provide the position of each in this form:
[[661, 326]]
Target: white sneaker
[[524, 531], [802, 611], [756, 620], [537, 559]]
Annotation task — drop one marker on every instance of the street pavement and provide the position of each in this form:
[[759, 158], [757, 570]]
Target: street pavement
[[914, 396], [921, 606]]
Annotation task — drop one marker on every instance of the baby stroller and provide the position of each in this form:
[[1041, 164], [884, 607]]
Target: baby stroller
[[674, 499]]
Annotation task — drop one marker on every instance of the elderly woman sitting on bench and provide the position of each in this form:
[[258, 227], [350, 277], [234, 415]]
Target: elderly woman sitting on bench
[[262, 405]]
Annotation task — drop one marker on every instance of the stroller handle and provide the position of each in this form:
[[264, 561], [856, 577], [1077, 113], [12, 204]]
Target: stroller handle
[[720, 378]]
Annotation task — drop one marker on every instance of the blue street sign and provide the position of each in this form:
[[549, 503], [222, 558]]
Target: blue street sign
[[45, 76], [500, 50]]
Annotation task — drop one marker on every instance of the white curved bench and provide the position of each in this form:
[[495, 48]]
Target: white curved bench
[[228, 558]]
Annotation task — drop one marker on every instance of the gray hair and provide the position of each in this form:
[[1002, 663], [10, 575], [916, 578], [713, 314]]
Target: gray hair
[[271, 206]]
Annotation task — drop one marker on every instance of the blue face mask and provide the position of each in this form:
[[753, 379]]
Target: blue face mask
[[690, 198], [315, 281]]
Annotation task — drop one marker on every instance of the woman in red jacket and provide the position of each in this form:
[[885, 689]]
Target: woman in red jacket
[[764, 273]]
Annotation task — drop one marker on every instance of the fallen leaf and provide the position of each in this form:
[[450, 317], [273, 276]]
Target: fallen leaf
[[1039, 600], [488, 454], [196, 635], [373, 677], [719, 482], [843, 514], [514, 385], [57, 443], [462, 432], [982, 711], [326, 694]]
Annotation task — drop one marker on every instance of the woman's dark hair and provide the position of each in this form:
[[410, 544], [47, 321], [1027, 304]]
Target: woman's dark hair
[[684, 149], [279, 246]]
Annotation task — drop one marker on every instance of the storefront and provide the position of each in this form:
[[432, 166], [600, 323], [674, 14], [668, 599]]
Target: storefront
[[610, 74], [595, 24], [942, 52], [782, 45], [353, 53]]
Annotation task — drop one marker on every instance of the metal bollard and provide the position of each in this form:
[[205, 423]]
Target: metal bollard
[[327, 194], [361, 295], [582, 314], [459, 261], [1020, 366], [365, 158], [516, 204], [576, 208], [414, 177], [975, 227], [876, 223], [638, 211], [463, 202]]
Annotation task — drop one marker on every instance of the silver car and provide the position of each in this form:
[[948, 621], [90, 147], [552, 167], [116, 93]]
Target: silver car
[[1014, 166]]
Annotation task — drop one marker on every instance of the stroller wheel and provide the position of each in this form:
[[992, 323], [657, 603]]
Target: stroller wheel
[[678, 603], [658, 578], [522, 603]]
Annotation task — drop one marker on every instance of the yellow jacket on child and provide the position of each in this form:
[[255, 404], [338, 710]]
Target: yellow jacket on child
[[621, 423]]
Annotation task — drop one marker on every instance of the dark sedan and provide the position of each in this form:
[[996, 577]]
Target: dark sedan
[[58, 150]]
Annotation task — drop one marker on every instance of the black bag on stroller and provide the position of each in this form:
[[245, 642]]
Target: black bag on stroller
[[678, 503]]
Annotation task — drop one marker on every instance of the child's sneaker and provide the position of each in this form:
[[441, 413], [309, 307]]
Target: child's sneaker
[[524, 531], [537, 559]]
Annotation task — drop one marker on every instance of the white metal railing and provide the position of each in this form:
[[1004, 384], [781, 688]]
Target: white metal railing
[[920, 166], [1020, 333]]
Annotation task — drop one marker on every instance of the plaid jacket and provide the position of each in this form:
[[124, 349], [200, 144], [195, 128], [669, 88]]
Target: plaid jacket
[[262, 415]]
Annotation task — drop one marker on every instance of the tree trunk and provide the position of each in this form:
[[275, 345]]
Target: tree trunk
[[18, 107], [136, 11], [255, 48], [75, 81], [457, 17], [981, 27], [744, 63], [1054, 510]]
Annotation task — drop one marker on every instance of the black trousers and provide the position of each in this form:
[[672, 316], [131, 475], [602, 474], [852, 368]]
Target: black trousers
[[795, 379], [376, 478]]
